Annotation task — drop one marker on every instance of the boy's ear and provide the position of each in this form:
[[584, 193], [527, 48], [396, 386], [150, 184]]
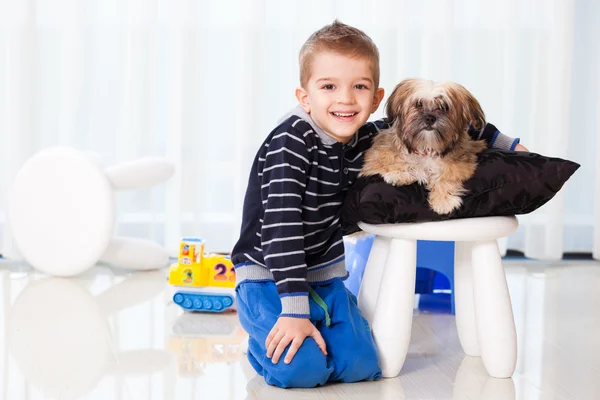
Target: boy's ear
[[377, 99], [303, 99]]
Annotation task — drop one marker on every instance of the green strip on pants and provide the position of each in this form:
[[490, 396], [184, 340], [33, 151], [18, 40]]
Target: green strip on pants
[[317, 299]]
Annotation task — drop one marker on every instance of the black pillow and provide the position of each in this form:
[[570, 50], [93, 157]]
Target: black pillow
[[505, 183]]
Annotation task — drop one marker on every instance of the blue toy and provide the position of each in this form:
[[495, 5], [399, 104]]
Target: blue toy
[[435, 270]]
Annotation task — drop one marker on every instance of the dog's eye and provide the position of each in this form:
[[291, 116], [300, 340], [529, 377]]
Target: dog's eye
[[419, 104]]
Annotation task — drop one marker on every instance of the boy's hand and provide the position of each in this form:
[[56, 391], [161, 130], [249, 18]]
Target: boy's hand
[[291, 330], [520, 147]]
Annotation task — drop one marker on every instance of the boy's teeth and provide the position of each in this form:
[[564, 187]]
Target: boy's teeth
[[343, 114]]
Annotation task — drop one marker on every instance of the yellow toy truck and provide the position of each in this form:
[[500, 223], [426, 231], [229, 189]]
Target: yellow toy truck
[[202, 282]]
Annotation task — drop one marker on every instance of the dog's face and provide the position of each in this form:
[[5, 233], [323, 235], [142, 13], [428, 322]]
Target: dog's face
[[430, 117]]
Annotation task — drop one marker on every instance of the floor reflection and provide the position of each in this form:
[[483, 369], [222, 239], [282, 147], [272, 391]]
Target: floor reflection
[[62, 342], [199, 339]]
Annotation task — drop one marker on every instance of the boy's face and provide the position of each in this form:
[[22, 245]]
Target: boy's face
[[340, 94]]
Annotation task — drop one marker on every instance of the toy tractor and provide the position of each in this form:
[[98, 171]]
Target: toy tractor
[[202, 282]]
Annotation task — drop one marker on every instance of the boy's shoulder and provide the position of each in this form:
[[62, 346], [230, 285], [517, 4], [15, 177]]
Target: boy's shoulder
[[294, 127], [294, 123], [292, 135]]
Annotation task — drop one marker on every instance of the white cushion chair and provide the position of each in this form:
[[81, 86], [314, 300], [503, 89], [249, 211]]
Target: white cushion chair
[[484, 317]]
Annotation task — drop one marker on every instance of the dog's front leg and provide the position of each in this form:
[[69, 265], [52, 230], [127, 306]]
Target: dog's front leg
[[398, 176], [386, 159], [445, 195], [388, 167], [446, 191], [391, 174]]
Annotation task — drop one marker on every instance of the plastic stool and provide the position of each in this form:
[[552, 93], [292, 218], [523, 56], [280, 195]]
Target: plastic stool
[[484, 317]]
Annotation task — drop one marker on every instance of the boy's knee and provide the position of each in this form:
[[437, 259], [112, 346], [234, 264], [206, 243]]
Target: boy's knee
[[362, 365], [309, 368], [357, 360]]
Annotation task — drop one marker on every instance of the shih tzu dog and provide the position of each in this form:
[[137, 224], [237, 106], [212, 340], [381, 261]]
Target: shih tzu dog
[[428, 140]]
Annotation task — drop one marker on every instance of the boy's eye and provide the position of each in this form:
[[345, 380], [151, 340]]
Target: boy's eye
[[361, 86], [328, 87]]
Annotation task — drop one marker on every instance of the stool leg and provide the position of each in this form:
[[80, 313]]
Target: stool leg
[[493, 311], [463, 298], [369, 287], [392, 321]]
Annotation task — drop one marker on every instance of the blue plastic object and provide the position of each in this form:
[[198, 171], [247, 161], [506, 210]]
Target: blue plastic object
[[203, 302], [435, 275], [357, 252], [435, 270]]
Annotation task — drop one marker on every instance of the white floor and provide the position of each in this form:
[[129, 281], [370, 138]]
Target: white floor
[[113, 335]]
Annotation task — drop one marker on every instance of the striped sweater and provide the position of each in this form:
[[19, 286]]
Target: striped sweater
[[291, 229]]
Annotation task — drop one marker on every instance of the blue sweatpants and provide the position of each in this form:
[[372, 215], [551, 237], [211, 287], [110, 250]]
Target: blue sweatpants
[[352, 355]]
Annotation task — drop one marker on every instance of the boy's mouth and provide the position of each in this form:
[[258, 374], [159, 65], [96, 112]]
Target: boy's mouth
[[344, 116]]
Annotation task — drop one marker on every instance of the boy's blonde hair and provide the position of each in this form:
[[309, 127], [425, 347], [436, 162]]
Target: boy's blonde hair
[[339, 38]]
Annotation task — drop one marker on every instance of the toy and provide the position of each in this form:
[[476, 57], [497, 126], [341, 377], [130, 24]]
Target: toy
[[202, 282], [61, 212]]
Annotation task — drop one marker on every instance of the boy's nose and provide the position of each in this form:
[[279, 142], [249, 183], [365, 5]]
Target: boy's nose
[[345, 97]]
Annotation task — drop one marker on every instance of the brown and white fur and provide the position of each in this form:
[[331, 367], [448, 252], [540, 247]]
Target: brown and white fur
[[428, 140]]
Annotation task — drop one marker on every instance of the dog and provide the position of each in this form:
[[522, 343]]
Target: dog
[[428, 141]]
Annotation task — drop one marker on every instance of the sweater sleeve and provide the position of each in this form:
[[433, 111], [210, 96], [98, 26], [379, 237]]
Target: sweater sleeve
[[284, 177], [494, 138]]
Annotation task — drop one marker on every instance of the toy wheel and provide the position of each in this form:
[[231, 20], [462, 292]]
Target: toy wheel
[[187, 303]]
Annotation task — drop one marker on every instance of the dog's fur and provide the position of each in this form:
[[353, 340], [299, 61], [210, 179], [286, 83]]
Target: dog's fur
[[428, 140]]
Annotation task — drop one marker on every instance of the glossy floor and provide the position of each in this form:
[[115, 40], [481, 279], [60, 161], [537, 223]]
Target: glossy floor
[[113, 335]]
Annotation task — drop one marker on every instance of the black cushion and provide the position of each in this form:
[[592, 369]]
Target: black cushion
[[505, 183]]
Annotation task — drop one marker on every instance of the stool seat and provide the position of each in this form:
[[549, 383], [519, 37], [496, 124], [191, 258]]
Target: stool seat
[[484, 317], [468, 229]]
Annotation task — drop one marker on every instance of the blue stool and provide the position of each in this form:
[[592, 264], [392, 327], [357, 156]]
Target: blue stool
[[435, 270]]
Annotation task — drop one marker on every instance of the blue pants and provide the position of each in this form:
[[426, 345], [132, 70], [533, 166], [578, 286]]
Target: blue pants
[[352, 355]]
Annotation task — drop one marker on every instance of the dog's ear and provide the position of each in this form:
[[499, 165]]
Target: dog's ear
[[393, 107], [472, 112], [475, 114]]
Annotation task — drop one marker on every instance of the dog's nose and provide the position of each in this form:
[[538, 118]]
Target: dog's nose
[[430, 119]]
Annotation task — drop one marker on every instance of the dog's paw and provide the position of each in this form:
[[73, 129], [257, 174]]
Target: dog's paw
[[398, 178], [443, 203]]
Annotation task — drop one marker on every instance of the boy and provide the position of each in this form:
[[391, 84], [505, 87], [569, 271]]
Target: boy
[[289, 259]]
